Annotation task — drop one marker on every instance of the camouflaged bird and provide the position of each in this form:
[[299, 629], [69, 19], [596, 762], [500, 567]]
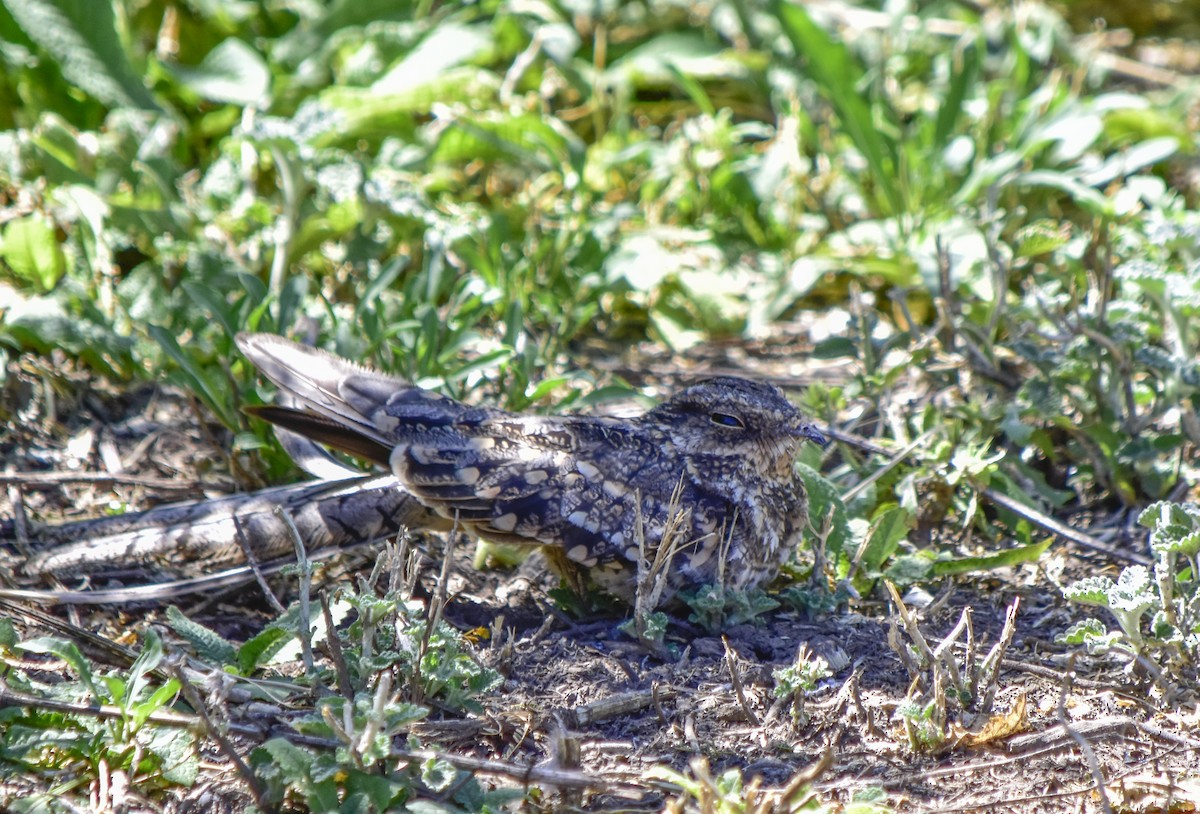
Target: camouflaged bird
[[711, 467]]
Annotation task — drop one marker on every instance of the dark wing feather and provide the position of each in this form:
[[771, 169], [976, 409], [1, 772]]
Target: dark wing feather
[[344, 405], [324, 384], [325, 431]]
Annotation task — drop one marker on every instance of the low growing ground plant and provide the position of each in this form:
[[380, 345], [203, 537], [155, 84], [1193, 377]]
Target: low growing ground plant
[[97, 731], [1156, 609]]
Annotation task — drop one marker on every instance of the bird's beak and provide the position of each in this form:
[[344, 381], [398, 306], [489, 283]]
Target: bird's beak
[[812, 434]]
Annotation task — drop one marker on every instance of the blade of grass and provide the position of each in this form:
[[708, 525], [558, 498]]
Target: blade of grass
[[838, 77]]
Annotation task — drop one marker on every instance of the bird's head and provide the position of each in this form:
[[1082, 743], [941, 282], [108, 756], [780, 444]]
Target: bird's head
[[750, 423]]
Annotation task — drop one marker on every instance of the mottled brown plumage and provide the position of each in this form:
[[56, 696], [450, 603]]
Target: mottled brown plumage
[[718, 456]]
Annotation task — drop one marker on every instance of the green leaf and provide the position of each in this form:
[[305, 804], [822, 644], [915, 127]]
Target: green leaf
[[31, 249], [1041, 237], [69, 652], [437, 774], [147, 661], [1188, 545], [379, 791], [526, 139], [909, 568], [208, 644], [176, 751], [962, 78], [1003, 559], [8, 634], [887, 530], [839, 78], [446, 47], [293, 762], [195, 377], [356, 113], [82, 37], [1134, 591], [688, 58], [1090, 591], [259, 650], [1090, 632], [824, 501], [545, 387], [232, 73], [157, 700]]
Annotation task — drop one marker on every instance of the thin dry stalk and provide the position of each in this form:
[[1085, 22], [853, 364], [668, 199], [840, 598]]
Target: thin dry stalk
[[653, 571], [304, 622], [731, 663], [1085, 748], [210, 729], [253, 564], [336, 654]]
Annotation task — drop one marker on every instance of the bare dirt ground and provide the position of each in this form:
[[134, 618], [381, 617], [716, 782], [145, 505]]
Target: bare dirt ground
[[1070, 734]]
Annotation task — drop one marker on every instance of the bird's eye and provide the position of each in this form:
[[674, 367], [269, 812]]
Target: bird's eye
[[727, 420]]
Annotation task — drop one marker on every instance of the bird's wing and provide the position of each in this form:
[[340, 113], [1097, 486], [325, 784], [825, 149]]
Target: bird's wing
[[344, 405], [518, 478], [514, 478]]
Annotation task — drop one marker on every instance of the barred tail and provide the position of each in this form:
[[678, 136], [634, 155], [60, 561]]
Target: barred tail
[[182, 539]]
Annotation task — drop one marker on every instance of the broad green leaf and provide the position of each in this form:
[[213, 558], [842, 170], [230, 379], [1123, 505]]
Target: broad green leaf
[[529, 140], [1041, 237], [909, 568], [545, 387], [82, 37], [69, 652], [824, 502], [1143, 123], [261, 648], [437, 774], [381, 792], [349, 114], [293, 762], [31, 249], [1090, 591], [176, 750], [147, 661], [447, 46], [684, 57], [326, 23], [232, 73], [887, 530], [258, 650], [156, 701], [1083, 632]]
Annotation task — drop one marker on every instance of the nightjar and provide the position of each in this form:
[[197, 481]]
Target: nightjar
[[711, 468]]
